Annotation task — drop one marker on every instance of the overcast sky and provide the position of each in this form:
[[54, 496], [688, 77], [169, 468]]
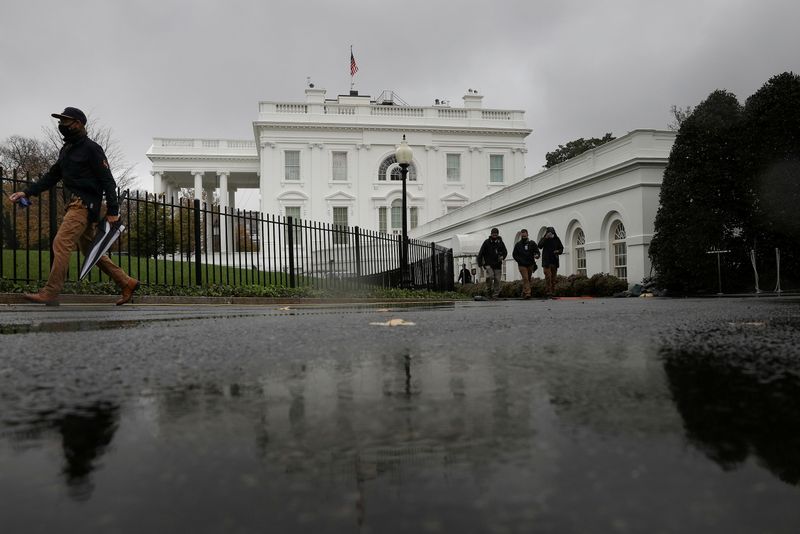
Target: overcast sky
[[170, 68]]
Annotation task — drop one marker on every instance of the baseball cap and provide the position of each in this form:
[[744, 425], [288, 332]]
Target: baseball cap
[[71, 113]]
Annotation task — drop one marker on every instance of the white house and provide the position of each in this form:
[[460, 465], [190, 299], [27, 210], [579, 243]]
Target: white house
[[332, 160], [602, 204]]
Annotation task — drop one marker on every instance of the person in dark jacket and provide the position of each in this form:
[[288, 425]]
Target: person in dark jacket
[[83, 168], [526, 252], [490, 257], [551, 248], [464, 276]]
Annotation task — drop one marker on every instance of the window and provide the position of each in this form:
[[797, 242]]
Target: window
[[339, 170], [496, 168], [340, 225], [292, 165], [390, 166], [382, 219], [580, 252], [454, 167], [397, 217], [294, 213], [413, 217], [620, 250]]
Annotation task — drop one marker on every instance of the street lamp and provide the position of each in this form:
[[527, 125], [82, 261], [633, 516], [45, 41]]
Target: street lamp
[[404, 156]]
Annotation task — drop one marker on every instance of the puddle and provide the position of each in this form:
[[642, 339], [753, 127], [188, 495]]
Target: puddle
[[298, 309]]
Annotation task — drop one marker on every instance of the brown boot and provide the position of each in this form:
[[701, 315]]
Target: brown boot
[[127, 291], [38, 298]]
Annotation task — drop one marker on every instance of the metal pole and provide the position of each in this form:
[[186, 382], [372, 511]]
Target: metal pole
[[719, 274], [404, 259], [198, 268]]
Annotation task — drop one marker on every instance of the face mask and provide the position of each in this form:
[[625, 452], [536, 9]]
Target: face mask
[[65, 130]]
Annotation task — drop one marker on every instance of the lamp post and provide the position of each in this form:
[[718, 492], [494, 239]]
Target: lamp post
[[404, 156]]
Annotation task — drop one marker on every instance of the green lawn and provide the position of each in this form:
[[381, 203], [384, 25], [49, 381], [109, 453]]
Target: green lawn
[[33, 265]]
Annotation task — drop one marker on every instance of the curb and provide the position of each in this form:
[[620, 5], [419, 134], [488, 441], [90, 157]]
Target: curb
[[16, 298]]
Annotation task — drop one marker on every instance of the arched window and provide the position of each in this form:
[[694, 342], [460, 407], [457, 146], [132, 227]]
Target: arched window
[[390, 165], [579, 248], [620, 251]]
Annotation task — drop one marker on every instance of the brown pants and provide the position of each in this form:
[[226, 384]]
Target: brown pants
[[550, 279], [526, 272], [75, 228]]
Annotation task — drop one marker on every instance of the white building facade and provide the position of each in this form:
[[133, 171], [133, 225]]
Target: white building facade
[[332, 160], [602, 204]]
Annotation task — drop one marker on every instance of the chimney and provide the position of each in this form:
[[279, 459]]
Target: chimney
[[472, 100], [315, 96]]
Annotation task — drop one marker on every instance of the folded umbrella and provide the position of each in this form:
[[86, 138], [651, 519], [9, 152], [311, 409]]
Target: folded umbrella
[[107, 233]]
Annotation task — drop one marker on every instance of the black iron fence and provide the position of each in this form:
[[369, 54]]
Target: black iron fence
[[186, 242]]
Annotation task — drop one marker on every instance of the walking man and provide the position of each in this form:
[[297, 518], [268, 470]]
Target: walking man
[[525, 254], [551, 248], [83, 168], [464, 276], [491, 256]]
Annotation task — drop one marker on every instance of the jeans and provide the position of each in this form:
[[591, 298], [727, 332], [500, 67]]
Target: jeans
[[493, 280]]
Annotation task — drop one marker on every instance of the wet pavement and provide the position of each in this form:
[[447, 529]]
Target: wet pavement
[[606, 415]]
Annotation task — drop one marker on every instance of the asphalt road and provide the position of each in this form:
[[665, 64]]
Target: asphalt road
[[606, 415]]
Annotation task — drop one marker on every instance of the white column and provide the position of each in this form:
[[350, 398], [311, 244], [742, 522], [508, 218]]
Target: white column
[[198, 185], [209, 220], [268, 156], [224, 202], [158, 186]]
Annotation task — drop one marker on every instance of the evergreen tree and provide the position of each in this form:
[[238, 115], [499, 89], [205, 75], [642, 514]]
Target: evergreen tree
[[701, 200], [575, 148], [771, 143]]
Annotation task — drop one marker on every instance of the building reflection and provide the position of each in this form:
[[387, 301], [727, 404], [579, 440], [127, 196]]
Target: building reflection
[[732, 409]]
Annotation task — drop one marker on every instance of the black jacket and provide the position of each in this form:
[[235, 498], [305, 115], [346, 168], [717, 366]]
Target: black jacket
[[492, 253], [525, 253], [83, 167], [550, 247], [464, 276]]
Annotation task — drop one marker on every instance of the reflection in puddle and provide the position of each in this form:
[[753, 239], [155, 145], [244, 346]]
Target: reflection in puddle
[[573, 436], [85, 325], [738, 392]]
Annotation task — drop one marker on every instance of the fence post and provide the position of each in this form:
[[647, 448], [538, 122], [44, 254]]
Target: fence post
[[434, 269], [449, 270], [52, 209], [198, 271], [290, 252], [358, 251]]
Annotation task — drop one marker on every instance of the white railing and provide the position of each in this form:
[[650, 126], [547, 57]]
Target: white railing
[[210, 143], [452, 113], [291, 108], [391, 111], [496, 115], [177, 142], [241, 144], [340, 110]]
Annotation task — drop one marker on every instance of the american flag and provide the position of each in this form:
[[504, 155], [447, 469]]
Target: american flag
[[353, 66]]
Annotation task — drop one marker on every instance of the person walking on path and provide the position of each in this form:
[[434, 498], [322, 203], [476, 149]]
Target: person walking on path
[[490, 257], [464, 276], [551, 247], [83, 168], [526, 252]]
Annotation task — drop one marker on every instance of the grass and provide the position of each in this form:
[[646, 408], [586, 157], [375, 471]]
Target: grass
[[177, 278], [34, 265]]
